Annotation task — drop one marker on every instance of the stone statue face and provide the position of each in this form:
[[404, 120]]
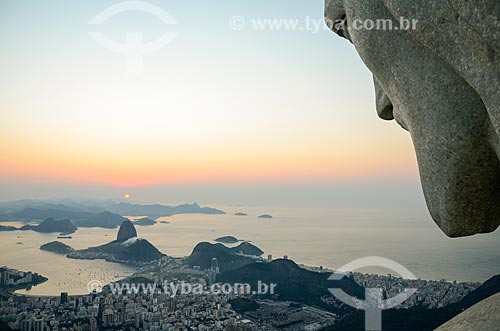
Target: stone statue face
[[441, 82]]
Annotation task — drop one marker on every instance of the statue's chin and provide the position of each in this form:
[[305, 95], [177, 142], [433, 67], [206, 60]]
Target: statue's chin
[[460, 227], [461, 183]]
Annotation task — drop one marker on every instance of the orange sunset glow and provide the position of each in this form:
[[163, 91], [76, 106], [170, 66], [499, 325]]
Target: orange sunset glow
[[196, 117], [139, 165]]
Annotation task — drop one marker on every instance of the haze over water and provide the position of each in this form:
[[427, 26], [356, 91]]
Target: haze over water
[[330, 237]]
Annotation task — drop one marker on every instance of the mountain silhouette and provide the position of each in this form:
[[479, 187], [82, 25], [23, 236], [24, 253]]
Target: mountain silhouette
[[127, 230]]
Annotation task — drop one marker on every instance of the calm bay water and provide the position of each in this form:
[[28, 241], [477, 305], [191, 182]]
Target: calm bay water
[[329, 237]]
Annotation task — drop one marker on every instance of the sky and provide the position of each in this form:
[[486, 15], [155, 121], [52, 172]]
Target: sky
[[225, 112]]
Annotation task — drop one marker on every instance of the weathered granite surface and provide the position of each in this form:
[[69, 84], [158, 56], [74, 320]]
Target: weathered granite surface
[[483, 316], [441, 82]]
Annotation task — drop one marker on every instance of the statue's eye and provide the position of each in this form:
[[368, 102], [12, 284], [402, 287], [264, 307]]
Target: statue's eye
[[341, 29]]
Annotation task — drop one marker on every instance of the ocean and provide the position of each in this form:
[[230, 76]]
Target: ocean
[[316, 236]]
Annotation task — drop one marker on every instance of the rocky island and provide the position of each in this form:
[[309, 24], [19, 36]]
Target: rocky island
[[146, 221], [57, 247], [49, 225], [155, 211], [79, 218], [8, 228]]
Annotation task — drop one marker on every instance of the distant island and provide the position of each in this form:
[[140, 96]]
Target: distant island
[[227, 240], [83, 219], [57, 247], [156, 211], [8, 228], [49, 225], [145, 222], [265, 216], [104, 214], [241, 214]]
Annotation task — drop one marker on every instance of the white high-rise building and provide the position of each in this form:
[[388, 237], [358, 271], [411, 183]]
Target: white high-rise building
[[38, 324], [215, 265], [25, 325], [214, 271]]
